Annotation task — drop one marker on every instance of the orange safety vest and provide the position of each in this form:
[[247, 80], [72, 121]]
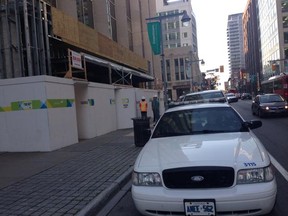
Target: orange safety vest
[[143, 106]]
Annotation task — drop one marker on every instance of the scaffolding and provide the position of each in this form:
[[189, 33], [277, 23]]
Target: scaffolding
[[29, 47], [24, 38]]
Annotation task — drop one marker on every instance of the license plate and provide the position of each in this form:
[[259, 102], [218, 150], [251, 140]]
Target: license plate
[[200, 207]]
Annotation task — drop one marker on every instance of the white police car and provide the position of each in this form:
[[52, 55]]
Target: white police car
[[203, 159]]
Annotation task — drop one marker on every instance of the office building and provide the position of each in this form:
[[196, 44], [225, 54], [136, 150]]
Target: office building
[[251, 76], [180, 48], [235, 49], [273, 20], [99, 41]]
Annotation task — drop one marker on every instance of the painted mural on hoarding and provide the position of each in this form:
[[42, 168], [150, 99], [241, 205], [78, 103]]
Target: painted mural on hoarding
[[37, 104]]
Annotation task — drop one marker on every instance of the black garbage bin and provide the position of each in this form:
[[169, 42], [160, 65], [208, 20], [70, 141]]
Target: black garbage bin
[[141, 130]]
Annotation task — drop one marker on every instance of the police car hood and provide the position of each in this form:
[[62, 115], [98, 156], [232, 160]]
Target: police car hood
[[238, 150]]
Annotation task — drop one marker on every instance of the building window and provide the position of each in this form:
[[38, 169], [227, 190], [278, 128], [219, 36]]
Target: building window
[[172, 36], [112, 19], [171, 25], [285, 37], [129, 23], [284, 6], [286, 53], [176, 66], [185, 34], [182, 70], [285, 21], [168, 70], [85, 12]]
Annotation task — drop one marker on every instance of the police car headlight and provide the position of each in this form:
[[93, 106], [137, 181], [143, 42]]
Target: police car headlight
[[250, 176], [146, 179]]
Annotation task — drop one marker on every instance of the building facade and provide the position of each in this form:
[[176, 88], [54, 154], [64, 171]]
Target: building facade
[[66, 64], [251, 77], [235, 49], [106, 38], [273, 19], [180, 49]]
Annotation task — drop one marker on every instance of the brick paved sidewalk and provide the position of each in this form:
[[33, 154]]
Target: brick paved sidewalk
[[74, 180]]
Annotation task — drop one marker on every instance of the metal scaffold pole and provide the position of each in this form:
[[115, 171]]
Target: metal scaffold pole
[[27, 39], [24, 38]]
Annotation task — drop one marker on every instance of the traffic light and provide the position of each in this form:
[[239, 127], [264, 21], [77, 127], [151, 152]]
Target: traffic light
[[221, 68], [274, 67]]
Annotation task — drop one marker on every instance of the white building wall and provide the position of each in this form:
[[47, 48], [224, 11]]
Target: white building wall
[[37, 114], [96, 109], [126, 107], [43, 113]]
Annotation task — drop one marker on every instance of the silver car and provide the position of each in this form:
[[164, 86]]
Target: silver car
[[231, 97], [207, 96]]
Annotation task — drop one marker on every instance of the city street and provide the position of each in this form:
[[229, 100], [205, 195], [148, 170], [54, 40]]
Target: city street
[[274, 136], [82, 82]]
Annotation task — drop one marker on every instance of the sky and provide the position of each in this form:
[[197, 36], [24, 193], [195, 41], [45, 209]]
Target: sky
[[211, 19]]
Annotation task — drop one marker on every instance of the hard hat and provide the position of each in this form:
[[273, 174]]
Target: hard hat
[[155, 95], [143, 98]]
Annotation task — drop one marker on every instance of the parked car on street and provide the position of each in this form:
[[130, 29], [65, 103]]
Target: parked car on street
[[246, 96], [231, 97], [269, 104], [238, 95], [207, 96], [203, 159]]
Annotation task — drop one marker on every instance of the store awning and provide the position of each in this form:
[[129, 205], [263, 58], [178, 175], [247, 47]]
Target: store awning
[[128, 71]]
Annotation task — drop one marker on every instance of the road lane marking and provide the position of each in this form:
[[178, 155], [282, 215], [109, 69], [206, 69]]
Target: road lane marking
[[278, 166]]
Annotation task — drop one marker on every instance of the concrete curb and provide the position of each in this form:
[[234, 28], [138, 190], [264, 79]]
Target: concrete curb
[[103, 198]]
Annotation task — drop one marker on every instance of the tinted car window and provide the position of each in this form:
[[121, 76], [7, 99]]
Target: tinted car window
[[199, 121], [270, 98]]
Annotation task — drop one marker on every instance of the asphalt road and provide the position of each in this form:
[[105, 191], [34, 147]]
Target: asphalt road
[[273, 134]]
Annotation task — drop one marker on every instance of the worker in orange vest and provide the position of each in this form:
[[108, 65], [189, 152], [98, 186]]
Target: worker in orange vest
[[143, 105]]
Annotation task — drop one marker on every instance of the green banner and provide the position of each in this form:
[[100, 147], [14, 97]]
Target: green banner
[[38, 104], [25, 105], [59, 103], [154, 33]]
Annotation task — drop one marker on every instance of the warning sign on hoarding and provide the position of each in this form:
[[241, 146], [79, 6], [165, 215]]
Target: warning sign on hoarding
[[76, 60]]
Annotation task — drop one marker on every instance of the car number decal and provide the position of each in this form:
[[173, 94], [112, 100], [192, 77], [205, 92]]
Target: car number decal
[[250, 164]]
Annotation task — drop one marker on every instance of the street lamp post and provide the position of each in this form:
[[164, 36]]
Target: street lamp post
[[185, 19], [191, 71]]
